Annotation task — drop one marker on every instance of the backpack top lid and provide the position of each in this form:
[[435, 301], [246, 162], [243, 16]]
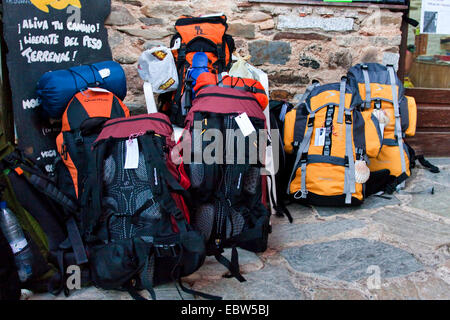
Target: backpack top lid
[[92, 104], [379, 78], [136, 125], [330, 94], [222, 100], [252, 86]]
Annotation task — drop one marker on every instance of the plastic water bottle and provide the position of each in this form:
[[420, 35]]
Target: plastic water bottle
[[16, 239]]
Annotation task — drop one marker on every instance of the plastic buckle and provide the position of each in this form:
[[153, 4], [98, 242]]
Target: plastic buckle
[[310, 122], [348, 119], [304, 157], [166, 250]]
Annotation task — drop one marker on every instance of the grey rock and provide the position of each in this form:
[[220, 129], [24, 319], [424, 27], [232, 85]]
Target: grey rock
[[266, 284], [114, 38], [391, 58], [241, 30], [369, 203], [309, 62], [151, 21], [151, 44], [146, 33], [290, 233], [158, 9], [137, 108], [274, 52], [129, 58], [326, 24], [120, 16], [349, 259], [413, 229], [342, 58], [385, 41], [133, 2]]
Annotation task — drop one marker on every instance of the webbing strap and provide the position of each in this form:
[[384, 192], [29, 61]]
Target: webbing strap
[[349, 183], [233, 265], [307, 92], [398, 128], [367, 84], [304, 147], [340, 118]]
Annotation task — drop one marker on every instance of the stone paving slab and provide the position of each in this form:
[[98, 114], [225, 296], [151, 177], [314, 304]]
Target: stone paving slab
[[411, 228], [266, 284], [372, 202], [163, 292], [349, 259], [291, 233]]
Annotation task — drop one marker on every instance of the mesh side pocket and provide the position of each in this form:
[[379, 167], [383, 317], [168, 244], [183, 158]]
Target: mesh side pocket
[[251, 180], [235, 223], [204, 219], [197, 174]]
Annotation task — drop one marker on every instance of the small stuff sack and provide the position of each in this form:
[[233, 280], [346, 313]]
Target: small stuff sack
[[157, 67], [56, 88]]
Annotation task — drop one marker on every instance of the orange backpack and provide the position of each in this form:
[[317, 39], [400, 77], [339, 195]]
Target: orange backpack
[[255, 87], [199, 34], [81, 123]]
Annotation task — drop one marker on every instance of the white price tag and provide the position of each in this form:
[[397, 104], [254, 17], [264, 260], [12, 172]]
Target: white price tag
[[319, 137], [245, 124], [99, 90], [104, 73], [132, 156]]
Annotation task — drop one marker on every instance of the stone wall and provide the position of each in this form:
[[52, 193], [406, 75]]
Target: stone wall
[[294, 44]]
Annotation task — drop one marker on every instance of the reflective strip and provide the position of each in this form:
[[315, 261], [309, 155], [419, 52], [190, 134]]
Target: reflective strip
[[340, 118], [304, 147], [398, 128], [349, 184], [367, 84]]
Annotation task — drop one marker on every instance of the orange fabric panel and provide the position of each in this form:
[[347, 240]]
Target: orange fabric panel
[[377, 91], [373, 143], [324, 179], [289, 127], [389, 158], [93, 103], [412, 113], [68, 162], [211, 31]]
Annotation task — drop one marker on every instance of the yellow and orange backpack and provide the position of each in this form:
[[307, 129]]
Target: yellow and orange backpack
[[198, 34], [395, 114], [328, 136]]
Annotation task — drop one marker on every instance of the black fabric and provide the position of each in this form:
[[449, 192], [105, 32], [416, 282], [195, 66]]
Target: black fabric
[[116, 263], [227, 206], [326, 201]]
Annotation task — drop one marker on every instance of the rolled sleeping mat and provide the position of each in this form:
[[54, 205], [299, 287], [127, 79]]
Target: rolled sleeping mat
[[56, 88]]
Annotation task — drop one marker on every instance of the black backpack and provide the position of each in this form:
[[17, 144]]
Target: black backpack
[[278, 110], [228, 197], [136, 222], [48, 218]]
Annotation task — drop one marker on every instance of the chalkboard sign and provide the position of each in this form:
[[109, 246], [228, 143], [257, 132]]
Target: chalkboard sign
[[47, 35]]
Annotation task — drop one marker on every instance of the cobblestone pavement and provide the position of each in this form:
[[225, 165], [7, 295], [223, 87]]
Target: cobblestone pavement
[[397, 248]]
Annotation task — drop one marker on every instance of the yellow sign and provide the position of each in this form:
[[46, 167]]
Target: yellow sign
[[56, 4]]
